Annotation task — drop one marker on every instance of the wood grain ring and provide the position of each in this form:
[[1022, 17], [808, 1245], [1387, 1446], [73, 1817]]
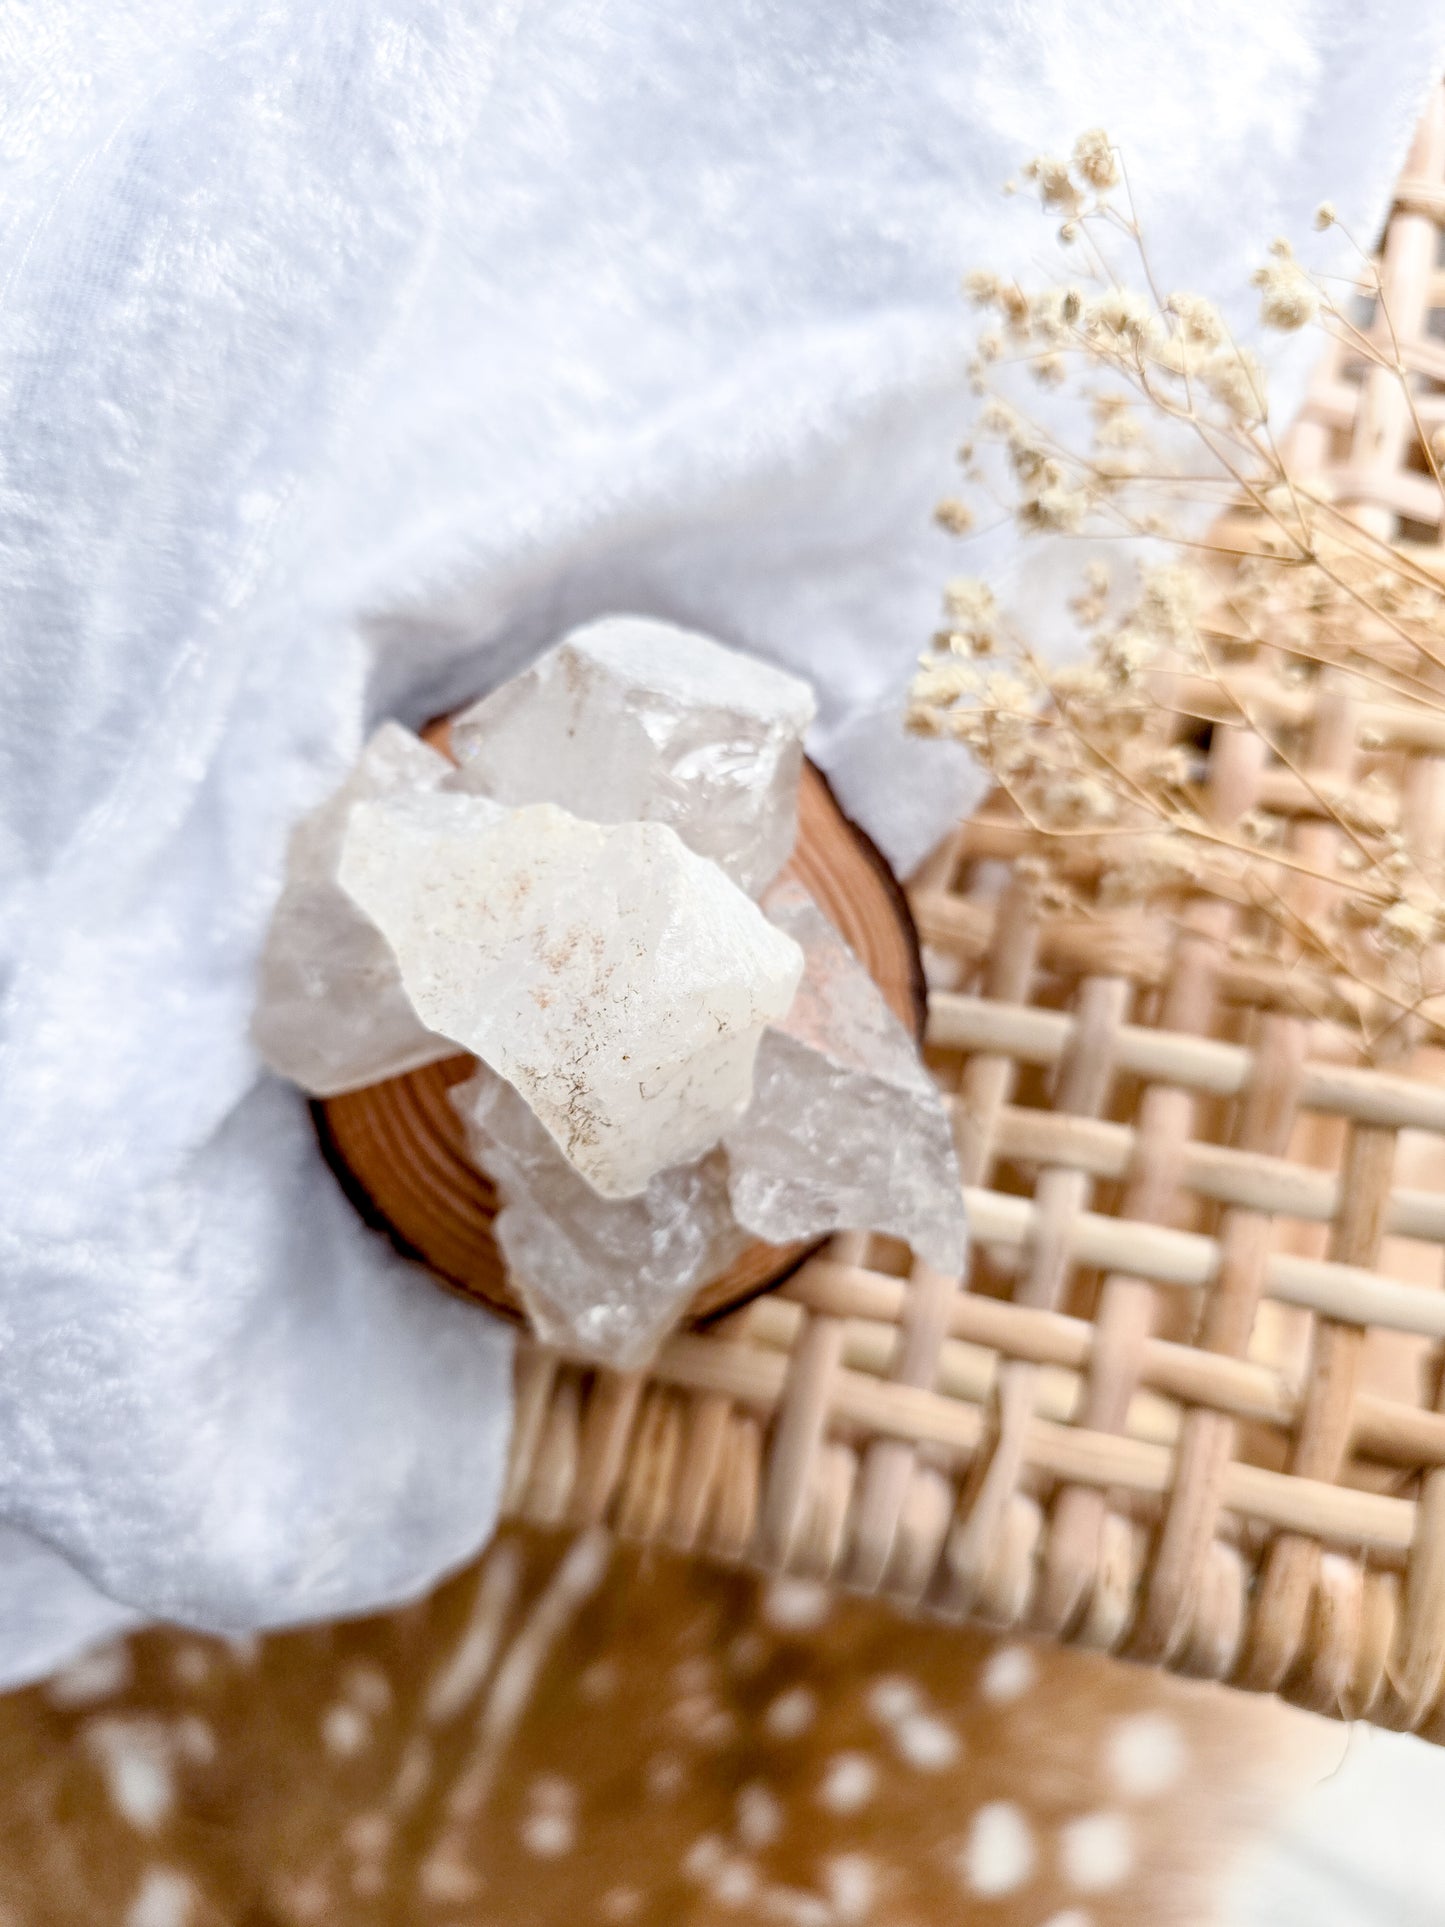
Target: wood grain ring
[[400, 1150]]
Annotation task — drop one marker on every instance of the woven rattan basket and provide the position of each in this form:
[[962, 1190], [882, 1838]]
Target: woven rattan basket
[[1186, 1406]]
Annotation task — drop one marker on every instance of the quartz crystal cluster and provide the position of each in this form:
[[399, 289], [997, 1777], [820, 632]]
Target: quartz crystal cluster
[[677, 1053], [618, 980], [627, 721], [846, 1127], [604, 1275], [332, 1013]]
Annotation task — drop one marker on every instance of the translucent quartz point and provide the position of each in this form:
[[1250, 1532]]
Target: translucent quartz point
[[603, 1277], [330, 1012], [631, 720], [617, 979], [846, 1130]]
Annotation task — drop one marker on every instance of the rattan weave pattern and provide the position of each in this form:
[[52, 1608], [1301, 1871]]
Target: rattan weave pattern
[[1187, 1404]]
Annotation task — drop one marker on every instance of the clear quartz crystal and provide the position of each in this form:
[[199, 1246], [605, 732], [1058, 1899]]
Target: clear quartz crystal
[[632, 720], [331, 1013], [846, 1130], [617, 979], [603, 1277]]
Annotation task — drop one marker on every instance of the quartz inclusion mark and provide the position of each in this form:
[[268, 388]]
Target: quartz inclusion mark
[[846, 1130], [619, 981], [331, 1013], [629, 720]]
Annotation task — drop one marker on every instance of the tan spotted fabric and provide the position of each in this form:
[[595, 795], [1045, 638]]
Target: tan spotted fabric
[[568, 1733]]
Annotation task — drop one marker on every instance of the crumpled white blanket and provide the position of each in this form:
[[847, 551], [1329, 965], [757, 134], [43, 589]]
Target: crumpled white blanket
[[347, 354]]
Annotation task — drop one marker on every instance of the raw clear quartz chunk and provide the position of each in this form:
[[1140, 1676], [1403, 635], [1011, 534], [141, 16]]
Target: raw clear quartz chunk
[[603, 1277], [330, 1012], [846, 1130], [618, 980], [631, 720]]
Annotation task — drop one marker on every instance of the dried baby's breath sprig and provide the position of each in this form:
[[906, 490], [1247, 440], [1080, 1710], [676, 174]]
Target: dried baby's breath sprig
[[955, 515], [1288, 298], [972, 612], [1095, 161], [1269, 597], [1056, 187]]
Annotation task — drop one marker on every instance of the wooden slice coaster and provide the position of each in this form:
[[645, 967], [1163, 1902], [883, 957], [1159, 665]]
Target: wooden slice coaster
[[400, 1149]]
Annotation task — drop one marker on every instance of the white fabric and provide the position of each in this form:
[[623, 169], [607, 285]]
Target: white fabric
[[347, 354], [48, 1611], [1359, 1848]]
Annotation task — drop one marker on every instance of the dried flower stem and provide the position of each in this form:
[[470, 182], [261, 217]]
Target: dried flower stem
[[1095, 759]]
